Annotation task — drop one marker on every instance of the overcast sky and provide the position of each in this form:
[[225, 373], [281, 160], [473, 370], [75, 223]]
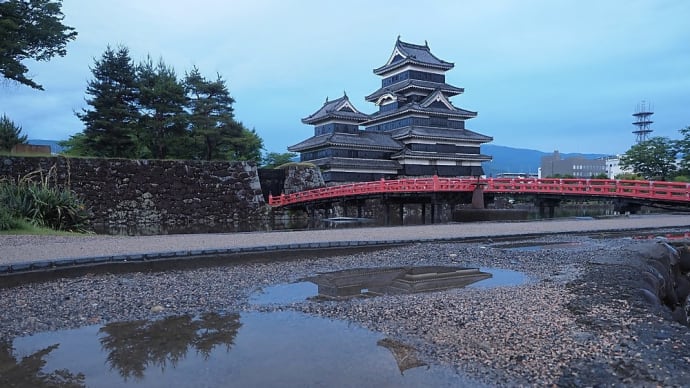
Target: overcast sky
[[546, 75]]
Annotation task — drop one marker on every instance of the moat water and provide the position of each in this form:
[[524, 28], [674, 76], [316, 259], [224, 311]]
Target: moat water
[[414, 218]]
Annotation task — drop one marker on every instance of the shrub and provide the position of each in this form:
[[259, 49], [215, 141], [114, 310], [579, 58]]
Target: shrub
[[41, 205], [7, 221]]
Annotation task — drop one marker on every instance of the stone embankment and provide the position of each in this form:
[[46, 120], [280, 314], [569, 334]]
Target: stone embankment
[[666, 278], [152, 192]]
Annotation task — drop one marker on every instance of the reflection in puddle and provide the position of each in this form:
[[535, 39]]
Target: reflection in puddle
[[134, 346], [284, 293], [394, 280], [369, 282], [275, 349], [501, 278]]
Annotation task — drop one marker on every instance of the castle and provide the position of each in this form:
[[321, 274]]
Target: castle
[[416, 131]]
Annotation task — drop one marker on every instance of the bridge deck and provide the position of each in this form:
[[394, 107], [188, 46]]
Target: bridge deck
[[658, 191]]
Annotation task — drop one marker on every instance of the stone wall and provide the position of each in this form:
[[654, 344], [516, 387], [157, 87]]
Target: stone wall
[[300, 178], [153, 192]]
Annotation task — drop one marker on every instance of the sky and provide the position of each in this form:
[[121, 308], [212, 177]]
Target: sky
[[542, 74]]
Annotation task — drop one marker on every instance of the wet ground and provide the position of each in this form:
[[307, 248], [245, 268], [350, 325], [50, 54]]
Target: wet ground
[[252, 348], [556, 310]]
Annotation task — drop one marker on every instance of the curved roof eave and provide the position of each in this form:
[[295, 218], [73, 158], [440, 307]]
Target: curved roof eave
[[383, 70], [460, 113]]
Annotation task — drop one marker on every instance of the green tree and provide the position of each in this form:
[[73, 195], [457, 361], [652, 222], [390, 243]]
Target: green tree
[[211, 118], [110, 123], [682, 149], [30, 29], [629, 176], [75, 145], [275, 159], [161, 106], [247, 146], [653, 158], [10, 134]]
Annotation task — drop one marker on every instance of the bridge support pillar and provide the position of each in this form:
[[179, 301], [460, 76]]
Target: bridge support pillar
[[478, 196], [387, 214], [550, 204], [424, 214], [623, 206], [402, 213]]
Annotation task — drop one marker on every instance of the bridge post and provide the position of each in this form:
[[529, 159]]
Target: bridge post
[[424, 213], [478, 195], [402, 213], [551, 204], [433, 211], [387, 214], [542, 209]]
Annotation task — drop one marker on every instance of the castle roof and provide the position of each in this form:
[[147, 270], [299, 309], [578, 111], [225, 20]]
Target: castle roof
[[417, 107], [360, 140], [409, 154], [335, 162], [340, 108], [427, 86], [412, 54], [439, 134]]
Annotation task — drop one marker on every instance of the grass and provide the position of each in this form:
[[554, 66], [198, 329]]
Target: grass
[[27, 228]]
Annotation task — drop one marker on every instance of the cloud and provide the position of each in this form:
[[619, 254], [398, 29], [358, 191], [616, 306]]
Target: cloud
[[537, 71]]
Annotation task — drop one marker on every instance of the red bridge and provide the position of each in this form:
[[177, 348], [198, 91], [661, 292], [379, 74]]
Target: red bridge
[[657, 192]]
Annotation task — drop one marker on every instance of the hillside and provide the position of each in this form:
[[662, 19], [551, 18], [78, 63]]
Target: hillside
[[509, 159]]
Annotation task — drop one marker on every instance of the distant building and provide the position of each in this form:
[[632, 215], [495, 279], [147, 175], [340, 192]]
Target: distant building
[[30, 149], [416, 131], [578, 167], [515, 175]]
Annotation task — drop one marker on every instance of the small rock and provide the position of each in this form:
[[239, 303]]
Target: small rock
[[157, 309]]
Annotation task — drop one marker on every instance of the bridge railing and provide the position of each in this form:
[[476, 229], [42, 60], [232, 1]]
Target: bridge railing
[[669, 191]]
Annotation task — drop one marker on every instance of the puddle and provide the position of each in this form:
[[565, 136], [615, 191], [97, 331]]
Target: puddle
[[284, 293], [371, 282], [501, 278], [275, 349]]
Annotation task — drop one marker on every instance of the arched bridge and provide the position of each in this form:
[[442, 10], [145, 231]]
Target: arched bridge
[[650, 192]]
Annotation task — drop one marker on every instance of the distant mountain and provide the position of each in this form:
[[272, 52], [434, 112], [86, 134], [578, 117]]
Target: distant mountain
[[509, 159], [505, 159], [55, 148]]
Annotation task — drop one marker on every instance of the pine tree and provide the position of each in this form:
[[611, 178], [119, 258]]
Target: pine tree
[[10, 134], [211, 115], [247, 146], [30, 30], [161, 105], [111, 121]]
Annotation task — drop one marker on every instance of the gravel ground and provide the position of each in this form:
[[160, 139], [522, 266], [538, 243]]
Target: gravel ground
[[17, 249], [578, 321]]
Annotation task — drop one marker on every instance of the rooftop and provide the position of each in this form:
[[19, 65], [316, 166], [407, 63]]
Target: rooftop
[[362, 139], [340, 108], [408, 53], [398, 87]]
